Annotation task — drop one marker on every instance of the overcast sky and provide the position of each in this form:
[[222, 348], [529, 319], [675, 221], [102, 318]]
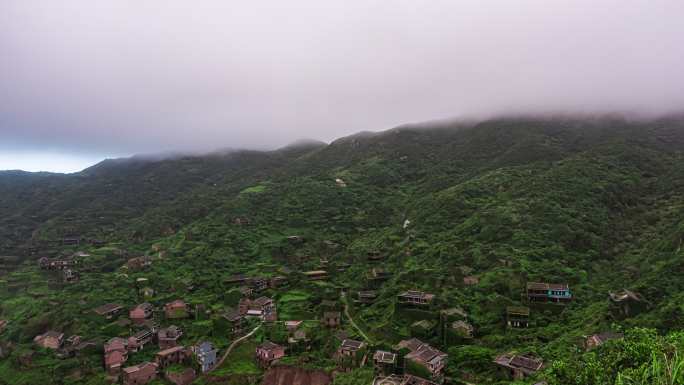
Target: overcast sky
[[81, 80]]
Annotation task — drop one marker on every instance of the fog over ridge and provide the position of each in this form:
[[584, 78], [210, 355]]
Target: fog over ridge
[[115, 78]]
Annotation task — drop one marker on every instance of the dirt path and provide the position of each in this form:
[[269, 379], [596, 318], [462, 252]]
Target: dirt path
[[233, 345], [351, 320]]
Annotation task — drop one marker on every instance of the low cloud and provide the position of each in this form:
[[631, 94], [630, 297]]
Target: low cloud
[[124, 77]]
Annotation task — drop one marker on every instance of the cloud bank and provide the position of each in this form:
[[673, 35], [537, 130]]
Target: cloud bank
[[124, 77]]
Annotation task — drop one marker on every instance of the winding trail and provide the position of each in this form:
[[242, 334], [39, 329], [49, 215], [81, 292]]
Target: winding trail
[[351, 320], [233, 345]]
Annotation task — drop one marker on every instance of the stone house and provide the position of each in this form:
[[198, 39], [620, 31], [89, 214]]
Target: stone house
[[278, 281], [627, 303], [548, 292], [168, 337], [291, 326], [367, 296], [206, 355], [517, 367], [140, 374], [420, 353], [517, 317], [138, 341], [170, 356], [268, 352], [49, 340], [141, 313], [384, 362], [597, 340], [113, 361], [331, 319], [262, 307], [176, 309], [109, 310], [414, 297], [349, 348], [115, 355], [258, 284], [235, 322]]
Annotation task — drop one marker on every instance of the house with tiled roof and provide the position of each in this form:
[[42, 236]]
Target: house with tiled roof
[[627, 303], [168, 337], [517, 317], [137, 341], [115, 355], [268, 352], [416, 298], [141, 313], [548, 292], [234, 322], [109, 310], [350, 347], [596, 340], [349, 354], [384, 362], [517, 366], [430, 358], [175, 355], [176, 309], [262, 307], [140, 374], [49, 340]]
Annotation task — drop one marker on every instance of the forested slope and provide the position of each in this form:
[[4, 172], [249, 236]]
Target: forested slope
[[597, 203]]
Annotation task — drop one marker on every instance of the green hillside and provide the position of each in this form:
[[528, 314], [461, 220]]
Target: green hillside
[[595, 203]]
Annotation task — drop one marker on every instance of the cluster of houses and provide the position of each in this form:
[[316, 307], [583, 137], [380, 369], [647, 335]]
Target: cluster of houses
[[117, 350], [518, 366], [68, 347], [66, 266], [171, 352], [263, 308], [251, 285], [351, 353]]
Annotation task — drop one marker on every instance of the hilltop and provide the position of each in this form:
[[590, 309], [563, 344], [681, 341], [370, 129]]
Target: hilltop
[[594, 203]]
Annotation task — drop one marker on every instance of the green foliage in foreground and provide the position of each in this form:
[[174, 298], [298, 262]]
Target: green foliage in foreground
[[642, 358], [355, 377]]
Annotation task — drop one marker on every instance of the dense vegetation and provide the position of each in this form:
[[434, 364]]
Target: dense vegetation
[[595, 202]]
